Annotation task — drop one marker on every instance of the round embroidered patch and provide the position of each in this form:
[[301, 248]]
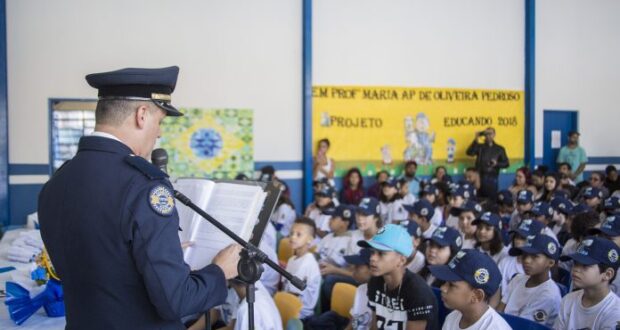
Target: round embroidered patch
[[540, 315], [161, 200], [612, 255], [481, 276]]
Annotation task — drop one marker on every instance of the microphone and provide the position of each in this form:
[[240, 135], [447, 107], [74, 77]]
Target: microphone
[[159, 158]]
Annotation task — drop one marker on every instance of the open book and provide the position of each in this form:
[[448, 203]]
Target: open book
[[236, 205]]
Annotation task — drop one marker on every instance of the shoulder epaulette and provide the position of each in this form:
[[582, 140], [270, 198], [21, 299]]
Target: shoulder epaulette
[[149, 170]]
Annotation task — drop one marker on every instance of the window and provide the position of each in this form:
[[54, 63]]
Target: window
[[70, 120]]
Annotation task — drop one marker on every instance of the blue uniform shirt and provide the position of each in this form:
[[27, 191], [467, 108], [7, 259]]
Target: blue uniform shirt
[[109, 223]]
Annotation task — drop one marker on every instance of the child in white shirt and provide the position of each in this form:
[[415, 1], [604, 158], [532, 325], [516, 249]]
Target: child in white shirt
[[610, 229], [594, 306], [534, 295], [489, 236]]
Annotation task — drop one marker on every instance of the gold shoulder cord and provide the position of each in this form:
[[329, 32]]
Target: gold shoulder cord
[[47, 264]]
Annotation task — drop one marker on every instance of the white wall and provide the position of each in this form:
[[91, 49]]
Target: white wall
[[419, 43], [578, 68], [234, 53]]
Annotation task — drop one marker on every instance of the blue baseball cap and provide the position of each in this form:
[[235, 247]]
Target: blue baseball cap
[[343, 211], [525, 196], [595, 250], [560, 193], [592, 192], [470, 205], [462, 190], [538, 244], [473, 267], [422, 208], [542, 209], [362, 258], [390, 238], [325, 191], [490, 219], [368, 206], [430, 189], [609, 227], [528, 227], [581, 208], [504, 197], [446, 236], [414, 229], [612, 203], [562, 205], [392, 182]]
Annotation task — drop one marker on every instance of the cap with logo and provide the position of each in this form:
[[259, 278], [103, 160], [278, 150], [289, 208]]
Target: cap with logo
[[414, 229], [422, 208], [490, 219], [343, 211], [592, 192], [430, 189], [368, 206], [155, 85], [325, 191], [504, 197], [362, 258], [580, 208], [461, 190], [538, 244], [542, 209], [446, 236], [470, 205], [595, 250], [390, 237], [525, 196], [473, 267], [612, 203], [609, 227], [528, 227], [562, 205]]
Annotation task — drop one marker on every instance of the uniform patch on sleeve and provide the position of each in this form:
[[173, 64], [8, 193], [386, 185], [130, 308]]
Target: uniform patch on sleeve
[[161, 200]]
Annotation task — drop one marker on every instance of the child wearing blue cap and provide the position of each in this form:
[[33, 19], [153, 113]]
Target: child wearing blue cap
[[422, 212], [593, 197], [398, 298], [580, 225], [467, 213], [489, 236], [391, 202], [440, 248], [471, 279], [360, 312], [534, 295], [323, 200], [543, 212], [594, 306], [431, 193], [368, 222], [416, 261], [525, 202], [610, 229], [457, 198]]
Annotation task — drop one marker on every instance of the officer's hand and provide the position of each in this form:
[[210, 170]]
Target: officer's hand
[[227, 260]]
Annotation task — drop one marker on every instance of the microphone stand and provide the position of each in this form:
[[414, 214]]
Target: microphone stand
[[250, 265]]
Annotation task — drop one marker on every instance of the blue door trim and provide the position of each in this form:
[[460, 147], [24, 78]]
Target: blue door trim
[[307, 100], [530, 82], [4, 122]]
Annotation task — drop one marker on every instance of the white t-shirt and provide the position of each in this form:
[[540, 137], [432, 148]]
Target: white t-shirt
[[307, 269], [284, 216], [604, 315], [437, 218], [270, 278], [418, 262], [498, 256], [361, 315], [393, 211], [489, 320], [356, 235], [333, 248], [540, 304], [429, 232], [549, 232], [509, 266], [468, 243], [266, 314], [322, 222], [569, 248]]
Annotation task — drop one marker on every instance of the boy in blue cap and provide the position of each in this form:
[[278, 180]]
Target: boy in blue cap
[[534, 295], [391, 203], [610, 229], [457, 198], [430, 192], [440, 248], [611, 205], [594, 306], [525, 202], [467, 213], [471, 279], [543, 212], [323, 200], [593, 197], [563, 209], [422, 212], [398, 298]]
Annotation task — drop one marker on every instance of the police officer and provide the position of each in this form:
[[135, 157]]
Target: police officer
[[109, 222]]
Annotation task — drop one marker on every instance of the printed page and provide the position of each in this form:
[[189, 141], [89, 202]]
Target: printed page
[[198, 190]]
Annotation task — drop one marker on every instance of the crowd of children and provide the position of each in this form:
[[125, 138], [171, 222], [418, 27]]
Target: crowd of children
[[538, 251]]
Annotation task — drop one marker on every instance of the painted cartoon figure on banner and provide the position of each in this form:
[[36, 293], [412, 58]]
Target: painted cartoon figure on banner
[[413, 150], [326, 121], [451, 150], [386, 154], [425, 138]]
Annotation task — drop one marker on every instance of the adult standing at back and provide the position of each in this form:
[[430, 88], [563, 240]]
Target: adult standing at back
[[490, 158], [323, 166], [575, 155]]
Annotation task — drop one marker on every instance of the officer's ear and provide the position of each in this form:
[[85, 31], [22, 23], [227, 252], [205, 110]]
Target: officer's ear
[[142, 114]]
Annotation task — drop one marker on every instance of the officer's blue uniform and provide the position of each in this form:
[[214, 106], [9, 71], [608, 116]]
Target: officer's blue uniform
[[109, 223]]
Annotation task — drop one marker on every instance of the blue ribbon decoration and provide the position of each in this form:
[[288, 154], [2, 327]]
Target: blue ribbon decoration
[[21, 306]]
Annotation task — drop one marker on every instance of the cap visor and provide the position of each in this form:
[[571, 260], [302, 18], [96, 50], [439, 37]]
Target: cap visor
[[580, 258], [374, 245], [596, 231], [363, 211], [169, 109], [354, 260], [444, 273], [519, 232], [524, 250], [438, 241]]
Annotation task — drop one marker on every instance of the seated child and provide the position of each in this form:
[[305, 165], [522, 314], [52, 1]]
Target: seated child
[[422, 212], [457, 198], [610, 229], [593, 197], [467, 213], [543, 212], [430, 193], [441, 247], [398, 298], [563, 209], [471, 279], [534, 295], [594, 306], [525, 202], [360, 312], [368, 223], [391, 202], [580, 225], [323, 199], [303, 265], [416, 262], [489, 236]]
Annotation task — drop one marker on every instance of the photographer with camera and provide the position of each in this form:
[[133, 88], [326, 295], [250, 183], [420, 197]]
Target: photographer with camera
[[490, 158]]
